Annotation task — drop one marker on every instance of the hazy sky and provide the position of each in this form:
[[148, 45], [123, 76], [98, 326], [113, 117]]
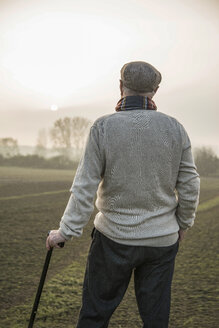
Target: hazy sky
[[69, 54]]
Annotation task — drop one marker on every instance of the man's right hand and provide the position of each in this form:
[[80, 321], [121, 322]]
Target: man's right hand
[[54, 239], [181, 234]]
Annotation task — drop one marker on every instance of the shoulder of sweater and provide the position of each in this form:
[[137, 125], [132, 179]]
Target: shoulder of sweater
[[102, 119], [169, 118], [177, 125], [180, 128]]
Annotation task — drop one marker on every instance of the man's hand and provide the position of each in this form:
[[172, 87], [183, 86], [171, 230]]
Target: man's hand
[[181, 234], [54, 239]]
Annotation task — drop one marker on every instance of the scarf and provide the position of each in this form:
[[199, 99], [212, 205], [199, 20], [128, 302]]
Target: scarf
[[135, 102]]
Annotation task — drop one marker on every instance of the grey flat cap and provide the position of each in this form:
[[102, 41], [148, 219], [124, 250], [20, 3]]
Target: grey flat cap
[[140, 76]]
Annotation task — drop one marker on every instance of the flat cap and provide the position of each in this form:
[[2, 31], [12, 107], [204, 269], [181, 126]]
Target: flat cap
[[140, 76]]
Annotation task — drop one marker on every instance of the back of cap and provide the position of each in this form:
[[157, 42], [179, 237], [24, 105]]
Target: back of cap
[[140, 76]]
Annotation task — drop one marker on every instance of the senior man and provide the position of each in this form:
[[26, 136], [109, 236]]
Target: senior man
[[139, 161]]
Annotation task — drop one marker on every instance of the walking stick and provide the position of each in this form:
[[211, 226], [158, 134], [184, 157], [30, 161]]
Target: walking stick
[[40, 287]]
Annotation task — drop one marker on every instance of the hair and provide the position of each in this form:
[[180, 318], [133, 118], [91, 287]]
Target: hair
[[130, 92]]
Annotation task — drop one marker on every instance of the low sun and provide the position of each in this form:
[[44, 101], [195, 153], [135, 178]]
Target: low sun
[[54, 107]]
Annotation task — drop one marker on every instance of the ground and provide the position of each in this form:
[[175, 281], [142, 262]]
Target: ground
[[32, 202]]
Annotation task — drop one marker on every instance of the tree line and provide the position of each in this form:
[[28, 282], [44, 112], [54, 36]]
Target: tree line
[[36, 161], [68, 136], [207, 161]]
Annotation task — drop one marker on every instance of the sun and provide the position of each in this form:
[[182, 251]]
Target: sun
[[54, 107]]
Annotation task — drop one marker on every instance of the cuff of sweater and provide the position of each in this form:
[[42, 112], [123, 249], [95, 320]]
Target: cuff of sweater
[[184, 229], [183, 223], [65, 232]]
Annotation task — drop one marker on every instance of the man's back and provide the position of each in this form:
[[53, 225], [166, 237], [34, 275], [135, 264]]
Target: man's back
[[142, 151]]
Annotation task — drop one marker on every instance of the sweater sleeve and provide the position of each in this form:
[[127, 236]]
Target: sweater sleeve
[[83, 190], [187, 186]]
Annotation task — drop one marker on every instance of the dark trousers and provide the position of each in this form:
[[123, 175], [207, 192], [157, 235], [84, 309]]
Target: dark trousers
[[108, 272]]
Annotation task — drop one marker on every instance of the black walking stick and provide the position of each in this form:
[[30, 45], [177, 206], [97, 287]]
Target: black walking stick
[[40, 288]]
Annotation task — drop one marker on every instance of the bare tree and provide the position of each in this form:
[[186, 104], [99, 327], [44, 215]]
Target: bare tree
[[68, 133], [41, 146], [9, 147], [80, 126]]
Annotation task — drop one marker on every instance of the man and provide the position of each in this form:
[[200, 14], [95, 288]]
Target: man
[[139, 161]]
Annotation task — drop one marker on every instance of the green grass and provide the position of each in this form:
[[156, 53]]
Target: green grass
[[208, 204], [209, 188], [24, 223], [61, 300]]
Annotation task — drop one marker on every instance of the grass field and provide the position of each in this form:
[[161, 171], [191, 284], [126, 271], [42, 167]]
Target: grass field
[[32, 202]]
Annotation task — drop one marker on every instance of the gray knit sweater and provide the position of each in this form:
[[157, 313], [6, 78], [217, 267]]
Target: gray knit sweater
[[140, 164]]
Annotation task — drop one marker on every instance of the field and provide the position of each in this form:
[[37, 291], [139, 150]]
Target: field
[[32, 202]]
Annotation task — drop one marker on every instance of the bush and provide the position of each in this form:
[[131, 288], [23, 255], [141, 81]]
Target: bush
[[36, 161]]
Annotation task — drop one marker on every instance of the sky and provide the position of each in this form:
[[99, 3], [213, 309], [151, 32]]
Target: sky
[[63, 58]]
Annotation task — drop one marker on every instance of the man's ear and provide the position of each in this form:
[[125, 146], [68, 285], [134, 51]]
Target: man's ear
[[156, 89]]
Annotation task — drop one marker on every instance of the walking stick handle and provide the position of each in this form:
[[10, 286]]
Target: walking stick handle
[[60, 244]]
